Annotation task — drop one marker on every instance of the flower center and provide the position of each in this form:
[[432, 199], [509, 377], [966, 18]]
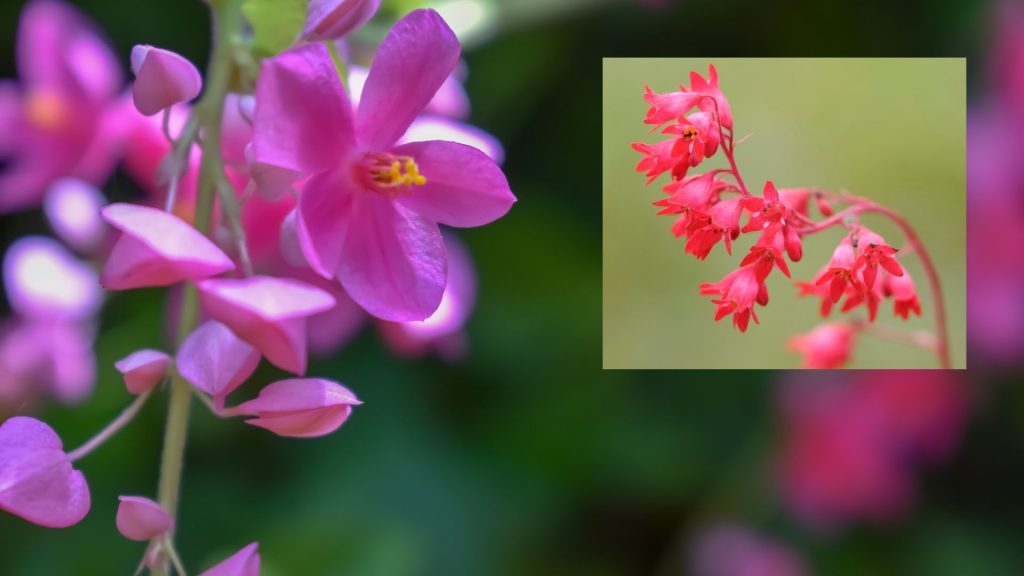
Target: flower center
[[689, 132], [45, 109], [392, 174]]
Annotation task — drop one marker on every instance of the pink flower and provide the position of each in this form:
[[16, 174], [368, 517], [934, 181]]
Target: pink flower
[[771, 211], [45, 282], [698, 137], [723, 224], [703, 94], [216, 361], [73, 210], [767, 253], [157, 249], [140, 518], [269, 313], [143, 369], [63, 121], [739, 290], [904, 294], [826, 346], [731, 550], [874, 252], [658, 159], [162, 79], [368, 215], [332, 19], [300, 407], [443, 330], [245, 562], [37, 481]]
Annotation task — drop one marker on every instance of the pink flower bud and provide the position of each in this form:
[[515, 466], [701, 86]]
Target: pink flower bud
[[143, 369], [269, 313], [157, 249], [162, 79], [245, 562], [37, 481], [140, 518], [331, 19], [216, 361], [301, 407]]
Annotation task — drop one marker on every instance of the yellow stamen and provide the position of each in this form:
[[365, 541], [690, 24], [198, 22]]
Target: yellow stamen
[[394, 171]]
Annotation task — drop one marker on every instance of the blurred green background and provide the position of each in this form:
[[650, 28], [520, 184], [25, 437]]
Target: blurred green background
[[528, 458], [892, 130]]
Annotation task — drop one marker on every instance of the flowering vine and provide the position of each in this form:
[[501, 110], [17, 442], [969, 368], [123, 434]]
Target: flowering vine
[[708, 208], [284, 208]]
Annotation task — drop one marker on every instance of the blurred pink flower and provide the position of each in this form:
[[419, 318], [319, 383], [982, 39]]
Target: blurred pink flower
[[37, 481], [732, 550], [140, 518], [73, 210], [852, 443], [64, 119], [826, 346]]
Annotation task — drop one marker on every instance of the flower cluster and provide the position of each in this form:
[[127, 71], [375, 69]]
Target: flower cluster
[[851, 446], [709, 209], [280, 217]]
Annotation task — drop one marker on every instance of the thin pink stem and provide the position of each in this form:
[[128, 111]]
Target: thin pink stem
[[113, 428]]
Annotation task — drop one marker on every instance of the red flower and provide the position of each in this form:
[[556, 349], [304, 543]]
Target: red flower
[[871, 297], [739, 290], [769, 210], [724, 224], [874, 253], [840, 269], [698, 137], [904, 294], [767, 253], [657, 158]]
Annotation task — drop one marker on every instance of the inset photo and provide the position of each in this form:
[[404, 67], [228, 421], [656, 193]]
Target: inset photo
[[784, 213]]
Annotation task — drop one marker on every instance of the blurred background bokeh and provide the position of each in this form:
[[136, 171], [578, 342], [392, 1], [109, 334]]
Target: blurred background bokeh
[[892, 130], [527, 458]]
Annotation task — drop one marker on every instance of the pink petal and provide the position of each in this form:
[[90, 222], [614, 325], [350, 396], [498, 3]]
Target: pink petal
[[323, 216], [268, 313], [426, 128], [301, 407], [37, 481], [45, 282], [143, 369], [216, 361], [332, 19], [245, 562], [140, 518], [162, 79], [393, 261], [457, 302], [270, 182], [303, 119], [157, 249], [464, 187], [73, 209], [414, 60]]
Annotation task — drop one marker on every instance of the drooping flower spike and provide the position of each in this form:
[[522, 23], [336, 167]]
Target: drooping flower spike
[[369, 214]]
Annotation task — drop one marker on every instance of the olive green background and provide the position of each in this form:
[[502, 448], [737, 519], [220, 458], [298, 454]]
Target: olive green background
[[892, 130]]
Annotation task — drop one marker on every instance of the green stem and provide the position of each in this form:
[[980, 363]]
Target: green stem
[[227, 19]]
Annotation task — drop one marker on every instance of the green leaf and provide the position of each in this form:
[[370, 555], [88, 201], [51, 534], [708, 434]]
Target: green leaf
[[276, 24]]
